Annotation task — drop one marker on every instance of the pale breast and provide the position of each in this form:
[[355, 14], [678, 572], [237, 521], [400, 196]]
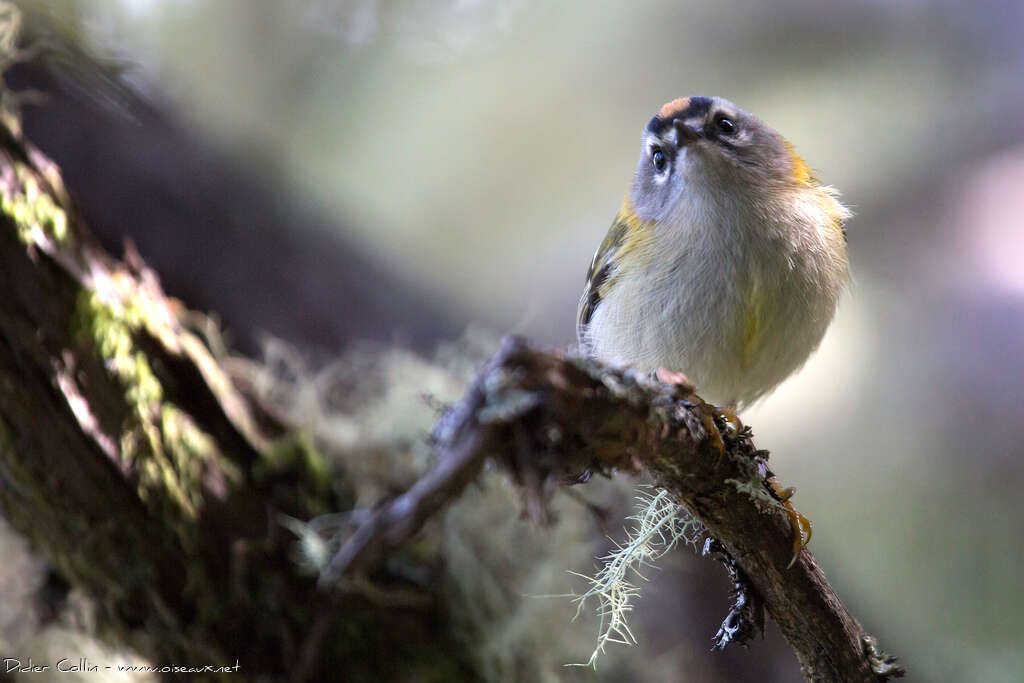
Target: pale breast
[[735, 309]]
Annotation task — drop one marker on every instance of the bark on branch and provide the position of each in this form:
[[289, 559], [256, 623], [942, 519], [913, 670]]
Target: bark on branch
[[550, 418]]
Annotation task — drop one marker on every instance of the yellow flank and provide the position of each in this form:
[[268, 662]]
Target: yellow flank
[[827, 197], [836, 212], [627, 216], [636, 230], [752, 328], [802, 173]]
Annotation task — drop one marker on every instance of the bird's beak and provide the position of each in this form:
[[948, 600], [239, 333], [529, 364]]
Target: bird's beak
[[685, 134]]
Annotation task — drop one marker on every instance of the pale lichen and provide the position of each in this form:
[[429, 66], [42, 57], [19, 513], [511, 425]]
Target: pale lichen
[[368, 411], [751, 484], [659, 525]]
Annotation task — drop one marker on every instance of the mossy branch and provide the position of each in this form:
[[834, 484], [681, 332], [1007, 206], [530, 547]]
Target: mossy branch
[[550, 418]]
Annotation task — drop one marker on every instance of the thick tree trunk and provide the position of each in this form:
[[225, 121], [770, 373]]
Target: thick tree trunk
[[130, 462]]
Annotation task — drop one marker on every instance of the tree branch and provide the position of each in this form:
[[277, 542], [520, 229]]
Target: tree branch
[[550, 418]]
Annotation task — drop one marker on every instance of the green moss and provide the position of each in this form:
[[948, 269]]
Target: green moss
[[161, 444], [168, 452], [295, 451], [31, 209], [110, 332], [294, 459], [191, 452]]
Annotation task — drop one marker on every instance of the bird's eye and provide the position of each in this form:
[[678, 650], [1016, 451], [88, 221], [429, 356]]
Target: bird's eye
[[725, 124], [658, 158]]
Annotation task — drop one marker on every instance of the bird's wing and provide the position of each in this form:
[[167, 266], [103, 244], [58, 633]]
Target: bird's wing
[[597, 277], [624, 235]]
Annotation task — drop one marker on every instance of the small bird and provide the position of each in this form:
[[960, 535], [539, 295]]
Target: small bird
[[726, 260]]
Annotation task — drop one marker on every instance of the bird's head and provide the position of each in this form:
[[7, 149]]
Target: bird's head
[[710, 146]]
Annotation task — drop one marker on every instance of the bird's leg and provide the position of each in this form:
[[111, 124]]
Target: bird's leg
[[733, 428], [800, 525], [672, 377], [732, 420]]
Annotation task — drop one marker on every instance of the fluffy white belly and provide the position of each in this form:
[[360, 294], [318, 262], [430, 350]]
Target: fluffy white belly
[[735, 320]]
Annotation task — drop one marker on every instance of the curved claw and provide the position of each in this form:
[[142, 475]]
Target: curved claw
[[801, 531], [801, 525]]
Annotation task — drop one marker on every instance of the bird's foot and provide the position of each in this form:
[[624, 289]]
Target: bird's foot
[[801, 525], [732, 420], [672, 377]]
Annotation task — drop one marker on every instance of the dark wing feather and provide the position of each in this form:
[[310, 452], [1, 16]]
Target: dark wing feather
[[599, 276]]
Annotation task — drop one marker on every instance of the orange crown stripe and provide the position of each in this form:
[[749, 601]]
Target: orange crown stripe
[[672, 107]]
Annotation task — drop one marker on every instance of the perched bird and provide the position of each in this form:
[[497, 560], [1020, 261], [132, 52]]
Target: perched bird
[[725, 261]]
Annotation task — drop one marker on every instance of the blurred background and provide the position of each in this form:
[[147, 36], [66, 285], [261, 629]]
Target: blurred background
[[477, 150]]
